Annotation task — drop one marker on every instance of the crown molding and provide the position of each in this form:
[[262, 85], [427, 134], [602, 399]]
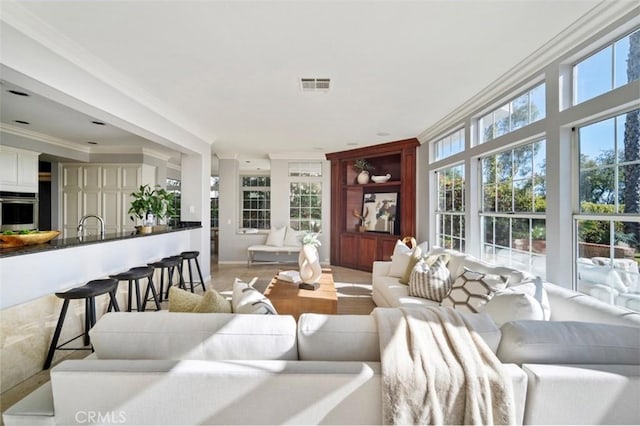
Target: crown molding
[[41, 137], [226, 156], [600, 16]]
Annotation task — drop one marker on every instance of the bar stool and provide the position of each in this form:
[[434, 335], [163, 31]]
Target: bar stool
[[170, 264], [88, 292], [134, 275], [189, 256]]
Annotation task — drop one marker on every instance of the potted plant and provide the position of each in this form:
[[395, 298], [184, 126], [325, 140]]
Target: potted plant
[[162, 205], [363, 168], [149, 205]]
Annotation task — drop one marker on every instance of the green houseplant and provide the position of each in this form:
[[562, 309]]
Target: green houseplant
[[149, 203]]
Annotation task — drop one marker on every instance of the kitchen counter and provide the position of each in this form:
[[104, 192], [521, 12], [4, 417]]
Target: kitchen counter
[[31, 272], [63, 243]]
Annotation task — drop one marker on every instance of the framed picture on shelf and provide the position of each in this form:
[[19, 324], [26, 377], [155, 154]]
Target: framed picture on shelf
[[380, 212]]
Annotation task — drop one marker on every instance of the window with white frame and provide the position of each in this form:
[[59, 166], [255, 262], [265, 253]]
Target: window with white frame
[[519, 112], [607, 226], [256, 202], [450, 231], [513, 207], [615, 65], [449, 145], [305, 196]]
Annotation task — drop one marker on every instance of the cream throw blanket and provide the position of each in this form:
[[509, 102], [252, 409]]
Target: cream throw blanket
[[436, 371]]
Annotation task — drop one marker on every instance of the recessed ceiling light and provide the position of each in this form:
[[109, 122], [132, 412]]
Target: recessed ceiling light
[[383, 133], [247, 161], [318, 148], [352, 144], [92, 143], [99, 123], [17, 92], [21, 121]]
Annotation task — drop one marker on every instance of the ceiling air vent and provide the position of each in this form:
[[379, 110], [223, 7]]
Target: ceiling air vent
[[315, 84]]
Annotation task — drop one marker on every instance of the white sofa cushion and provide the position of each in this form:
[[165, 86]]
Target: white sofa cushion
[[293, 238], [167, 335], [396, 294], [349, 337], [570, 342], [507, 306], [582, 394]]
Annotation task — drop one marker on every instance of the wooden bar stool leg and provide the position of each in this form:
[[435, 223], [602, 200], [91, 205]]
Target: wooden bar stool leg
[[190, 274], [87, 321], [139, 304], [130, 295], [56, 334], [113, 302], [200, 274]]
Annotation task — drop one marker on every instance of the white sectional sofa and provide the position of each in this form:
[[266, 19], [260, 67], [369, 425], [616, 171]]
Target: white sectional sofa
[[580, 366]]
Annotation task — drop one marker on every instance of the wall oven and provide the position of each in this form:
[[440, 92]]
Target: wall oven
[[18, 210]]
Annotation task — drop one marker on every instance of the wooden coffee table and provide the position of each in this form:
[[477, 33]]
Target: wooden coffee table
[[288, 299]]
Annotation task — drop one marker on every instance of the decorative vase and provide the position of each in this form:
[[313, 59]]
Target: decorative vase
[[309, 263], [363, 177]]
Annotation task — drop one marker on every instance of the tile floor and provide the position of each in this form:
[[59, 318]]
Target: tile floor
[[354, 292]]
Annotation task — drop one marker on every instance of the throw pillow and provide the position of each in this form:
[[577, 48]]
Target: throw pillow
[[276, 237], [248, 300], [534, 288], [473, 289], [185, 301], [428, 259], [431, 282], [507, 306], [293, 238], [399, 259]]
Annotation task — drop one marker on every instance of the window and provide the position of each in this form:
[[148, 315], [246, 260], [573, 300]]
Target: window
[[525, 109], [173, 185], [608, 223], [613, 66], [313, 169], [214, 196], [449, 145], [256, 202], [305, 196], [513, 207], [450, 214]]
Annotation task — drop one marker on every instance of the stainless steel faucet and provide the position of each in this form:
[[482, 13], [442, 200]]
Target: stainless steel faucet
[[84, 218]]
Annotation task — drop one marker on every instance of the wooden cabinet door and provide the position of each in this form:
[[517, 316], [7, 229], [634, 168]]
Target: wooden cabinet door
[[367, 251], [349, 250]]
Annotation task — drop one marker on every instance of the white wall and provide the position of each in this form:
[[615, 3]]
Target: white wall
[[233, 244]]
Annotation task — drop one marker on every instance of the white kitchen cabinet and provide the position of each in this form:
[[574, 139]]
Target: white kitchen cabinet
[[18, 170], [102, 189]]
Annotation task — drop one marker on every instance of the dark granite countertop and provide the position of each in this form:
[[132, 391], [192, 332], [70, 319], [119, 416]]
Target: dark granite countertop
[[62, 243]]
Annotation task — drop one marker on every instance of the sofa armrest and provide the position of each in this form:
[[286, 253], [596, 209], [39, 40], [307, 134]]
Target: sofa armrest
[[380, 268]]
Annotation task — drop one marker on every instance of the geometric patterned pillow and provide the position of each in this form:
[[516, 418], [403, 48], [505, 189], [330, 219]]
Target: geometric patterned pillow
[[471, 290], [430, 282]]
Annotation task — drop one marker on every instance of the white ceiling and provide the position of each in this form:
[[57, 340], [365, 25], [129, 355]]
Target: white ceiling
[[228, 71]]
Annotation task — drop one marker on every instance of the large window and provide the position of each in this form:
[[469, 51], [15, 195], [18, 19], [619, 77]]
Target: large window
[[256, 202], [608, 223], [613, 66], [513, 207], [520, 111], [450, 231], [305, 196], [449, 145]]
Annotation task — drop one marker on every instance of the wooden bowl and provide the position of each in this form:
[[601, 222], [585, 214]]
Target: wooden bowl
[[18, 240]]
